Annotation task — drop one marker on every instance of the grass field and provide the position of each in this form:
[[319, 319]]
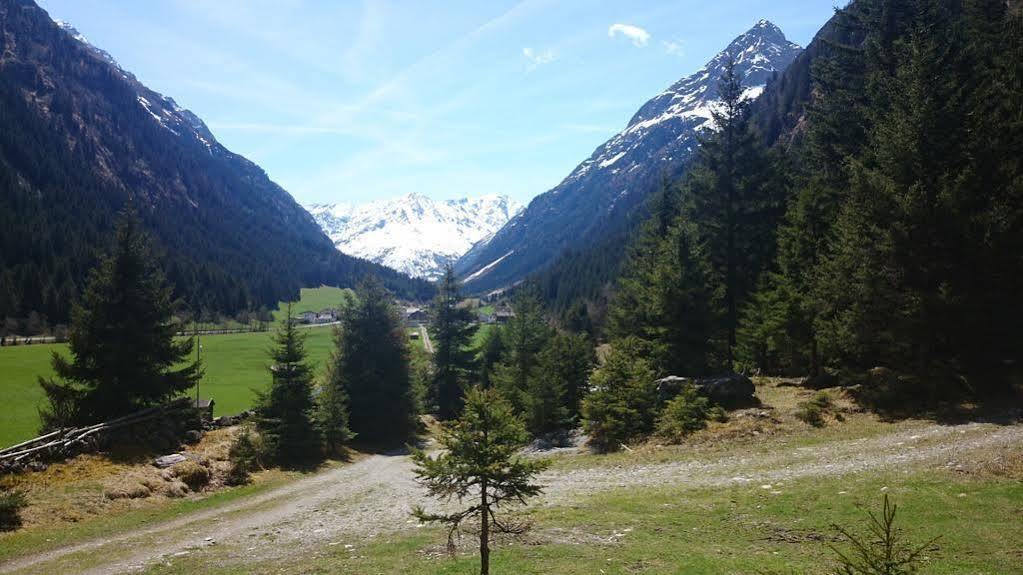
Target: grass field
[[674, 530], [315, 299], [236, 366]]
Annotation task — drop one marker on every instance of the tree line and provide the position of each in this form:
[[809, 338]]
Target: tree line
[[885, 231]]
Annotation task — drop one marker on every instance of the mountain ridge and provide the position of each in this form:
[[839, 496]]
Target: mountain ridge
[[80, 138], [600, 195], [413, 234]]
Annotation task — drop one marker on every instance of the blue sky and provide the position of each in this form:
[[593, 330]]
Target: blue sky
[[360, 100]]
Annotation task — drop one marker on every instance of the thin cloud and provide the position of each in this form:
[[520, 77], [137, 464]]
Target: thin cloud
[[639, 36], [673, 48], [538, 58]]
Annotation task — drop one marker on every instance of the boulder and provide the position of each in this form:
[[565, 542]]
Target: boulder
[[192, 436], [729, 390], [165, 461], [822, 381]]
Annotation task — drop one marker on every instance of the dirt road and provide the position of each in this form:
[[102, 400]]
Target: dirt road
[[375, 495]]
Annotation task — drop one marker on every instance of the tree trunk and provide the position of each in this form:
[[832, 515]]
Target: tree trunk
[[484, 530]]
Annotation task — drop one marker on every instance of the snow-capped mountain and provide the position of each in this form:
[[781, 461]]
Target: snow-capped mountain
[[413, 234], [601, 193]]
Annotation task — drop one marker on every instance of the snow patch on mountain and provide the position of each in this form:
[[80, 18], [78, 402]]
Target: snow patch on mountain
[[163, 109], [413, 234], [603, 191]]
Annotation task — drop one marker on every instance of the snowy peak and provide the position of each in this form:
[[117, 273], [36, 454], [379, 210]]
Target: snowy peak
[[602, 192], [413, 234]]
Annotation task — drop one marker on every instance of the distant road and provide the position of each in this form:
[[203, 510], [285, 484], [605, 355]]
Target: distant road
[[425, 334]]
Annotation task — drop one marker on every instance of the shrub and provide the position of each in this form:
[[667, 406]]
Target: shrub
[[812, 411], [622, 401], [244, 456], [11, 504], [686, 413], [882, 551], [194, 475]]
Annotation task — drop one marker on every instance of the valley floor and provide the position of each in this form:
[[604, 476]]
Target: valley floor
[[762, 500]]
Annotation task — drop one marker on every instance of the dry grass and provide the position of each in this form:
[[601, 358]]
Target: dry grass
[[773, 423], [100, 484]]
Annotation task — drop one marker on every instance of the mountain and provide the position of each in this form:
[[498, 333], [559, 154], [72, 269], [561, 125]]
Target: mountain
[[413, 234], [80, 138], [602, 194]]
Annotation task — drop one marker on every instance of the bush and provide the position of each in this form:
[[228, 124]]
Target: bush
[[621, 405], [11, 504], [882, 551], [812, 412], [686, 413], [244, 456], [194, 475]]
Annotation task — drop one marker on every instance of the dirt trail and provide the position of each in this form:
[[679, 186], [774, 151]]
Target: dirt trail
[[375, 495]]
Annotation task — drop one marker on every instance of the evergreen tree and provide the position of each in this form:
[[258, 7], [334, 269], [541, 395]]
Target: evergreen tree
[[333, 402], [371, 368], [451, 332], [569, 359], [523, 336], [735, 201], [666, 302], [490, 351], [480, 462], [124, 356], [555, 389], [890, 272], [284, 413], [622, 405]]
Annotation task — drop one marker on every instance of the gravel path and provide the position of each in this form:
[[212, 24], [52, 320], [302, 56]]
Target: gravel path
[[375, 495]]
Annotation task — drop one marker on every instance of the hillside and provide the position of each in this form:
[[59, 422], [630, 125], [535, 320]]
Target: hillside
[[601, 195], [413, 234], [80, 138]]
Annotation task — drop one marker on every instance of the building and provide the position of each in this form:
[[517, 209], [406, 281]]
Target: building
[[414, 316], [503, 315], [205, 407]]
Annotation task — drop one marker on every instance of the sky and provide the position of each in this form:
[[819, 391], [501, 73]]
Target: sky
[[351, 101]]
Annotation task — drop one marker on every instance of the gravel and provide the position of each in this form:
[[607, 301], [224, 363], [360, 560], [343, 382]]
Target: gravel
[[375, 496]]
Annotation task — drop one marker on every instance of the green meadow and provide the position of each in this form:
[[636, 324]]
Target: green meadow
[[236, 367]]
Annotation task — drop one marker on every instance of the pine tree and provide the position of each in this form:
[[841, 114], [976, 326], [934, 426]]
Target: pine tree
[[124, 356], [490, 351], [284, 413], [524, 336], [371, 367], [451, 332], [567, 361], [622, 405], [666, 301], [480, 463], [735, 201], [333, 402]]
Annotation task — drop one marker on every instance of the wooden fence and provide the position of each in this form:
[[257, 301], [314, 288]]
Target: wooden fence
[[67, 442]]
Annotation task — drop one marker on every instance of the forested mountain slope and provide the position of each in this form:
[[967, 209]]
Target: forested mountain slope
[[584, 276], [601, 195], [80, 138]]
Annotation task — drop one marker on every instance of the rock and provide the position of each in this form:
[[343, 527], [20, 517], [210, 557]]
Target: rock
[[37, 466], [165, 461], [822, 381], [192, 436], [731, 389]]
